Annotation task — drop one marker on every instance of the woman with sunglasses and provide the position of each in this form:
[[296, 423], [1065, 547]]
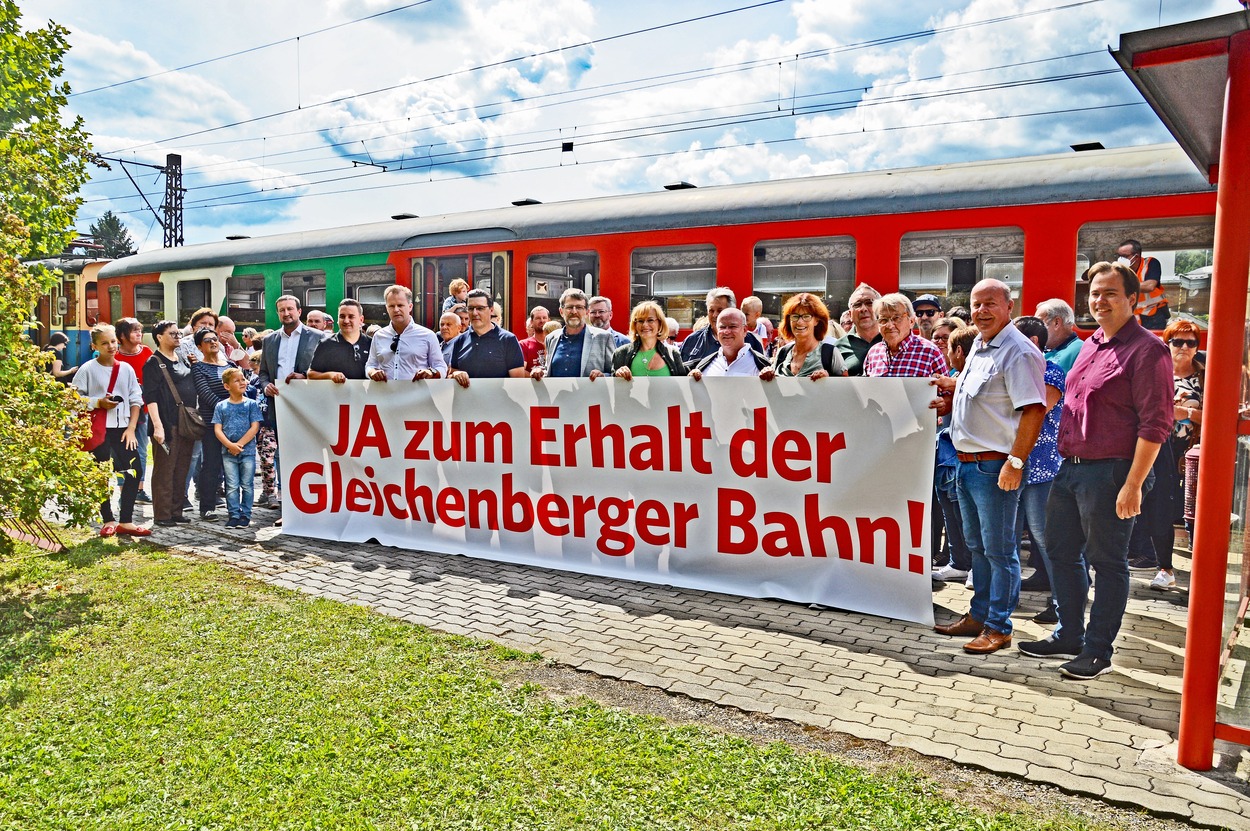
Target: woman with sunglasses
[[1181, 336], [804, 324], [648, 353], [207, 372]]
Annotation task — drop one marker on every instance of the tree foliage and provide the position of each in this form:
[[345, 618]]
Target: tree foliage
[[43, 162], [109, 231]]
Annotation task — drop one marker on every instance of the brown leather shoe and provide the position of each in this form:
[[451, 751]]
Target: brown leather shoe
[[966, 625], [986, 642]]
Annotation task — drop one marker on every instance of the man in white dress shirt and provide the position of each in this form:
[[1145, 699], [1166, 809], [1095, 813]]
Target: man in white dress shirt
[[404, 350]]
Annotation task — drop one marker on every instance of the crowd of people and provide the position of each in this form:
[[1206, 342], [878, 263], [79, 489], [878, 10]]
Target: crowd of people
[[1068, 448]]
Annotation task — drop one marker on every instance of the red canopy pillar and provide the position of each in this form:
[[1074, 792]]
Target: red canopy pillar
[[1220, 417]]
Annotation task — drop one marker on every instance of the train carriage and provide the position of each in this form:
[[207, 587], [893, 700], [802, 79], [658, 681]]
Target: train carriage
[[1036, 223]]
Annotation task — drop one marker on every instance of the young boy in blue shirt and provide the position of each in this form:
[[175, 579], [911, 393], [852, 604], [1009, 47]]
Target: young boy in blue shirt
[[236, 421]]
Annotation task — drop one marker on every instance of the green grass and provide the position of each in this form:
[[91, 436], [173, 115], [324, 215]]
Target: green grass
[[138, 690]]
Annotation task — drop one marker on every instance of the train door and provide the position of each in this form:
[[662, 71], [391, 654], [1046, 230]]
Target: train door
[[423, 295], [492, 273]]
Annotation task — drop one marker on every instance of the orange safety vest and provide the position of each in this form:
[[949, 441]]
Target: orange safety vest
[[1149, 303]]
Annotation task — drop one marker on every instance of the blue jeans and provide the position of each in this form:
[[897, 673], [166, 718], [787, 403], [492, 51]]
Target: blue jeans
[[1033, 516], [1080, 517], [240, 481], [948, 499], [989, 515]]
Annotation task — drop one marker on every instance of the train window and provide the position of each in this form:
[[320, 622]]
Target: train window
[[548, 275], [367, 285], [149, 303], [823, 266], [949, 263], [678, 277], [308, 286], [1182, 247], [192, 295], [245, 300]]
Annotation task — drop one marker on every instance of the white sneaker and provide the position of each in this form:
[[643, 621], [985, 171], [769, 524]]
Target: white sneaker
[[948, 574], [968, 582], [1163, 581]]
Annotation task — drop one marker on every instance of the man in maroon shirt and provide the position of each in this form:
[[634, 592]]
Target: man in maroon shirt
[[1117, 411]]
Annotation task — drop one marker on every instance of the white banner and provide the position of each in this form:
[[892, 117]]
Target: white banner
[[817, 492]]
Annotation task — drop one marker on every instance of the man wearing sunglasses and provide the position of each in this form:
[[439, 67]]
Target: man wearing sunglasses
[[404, 350], [928, 309]]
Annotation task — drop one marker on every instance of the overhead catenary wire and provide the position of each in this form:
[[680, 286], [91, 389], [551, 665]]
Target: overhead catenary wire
[[889, 39], [547, 132]]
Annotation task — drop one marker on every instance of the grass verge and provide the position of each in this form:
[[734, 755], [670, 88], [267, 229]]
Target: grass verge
[[138, 690]]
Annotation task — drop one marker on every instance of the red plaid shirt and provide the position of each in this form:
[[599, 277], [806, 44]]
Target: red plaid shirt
[[916, 358]]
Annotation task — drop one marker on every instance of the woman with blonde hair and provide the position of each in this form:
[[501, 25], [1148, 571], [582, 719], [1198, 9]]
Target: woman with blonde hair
[[112, 386], [648, 352]]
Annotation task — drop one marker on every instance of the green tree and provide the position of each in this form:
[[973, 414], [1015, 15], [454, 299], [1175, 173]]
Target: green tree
[[109, 231], [43, 162]]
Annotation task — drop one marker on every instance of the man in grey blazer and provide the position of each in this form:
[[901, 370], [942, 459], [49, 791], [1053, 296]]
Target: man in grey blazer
[[288, 352], [285, 354], [577, 350]]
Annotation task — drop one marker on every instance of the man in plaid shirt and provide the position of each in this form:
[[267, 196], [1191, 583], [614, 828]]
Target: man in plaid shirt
[[899, 353]]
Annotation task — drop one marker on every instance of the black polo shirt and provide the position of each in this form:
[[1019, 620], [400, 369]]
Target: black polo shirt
[[337, 355], [490, 355]]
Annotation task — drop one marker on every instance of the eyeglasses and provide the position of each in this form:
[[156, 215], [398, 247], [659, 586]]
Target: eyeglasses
[[395, 346], [642, 321], [478, 308], [1184, 343], [803, 318], [941, 338], [209, 340], [903, 322], [926, 312], [575, 307]]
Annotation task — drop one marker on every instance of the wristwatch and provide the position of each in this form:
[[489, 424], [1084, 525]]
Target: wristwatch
[[1016, 462]]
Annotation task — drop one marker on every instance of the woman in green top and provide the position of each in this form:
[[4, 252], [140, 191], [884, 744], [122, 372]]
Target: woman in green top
[[647, 354], [804, 323]]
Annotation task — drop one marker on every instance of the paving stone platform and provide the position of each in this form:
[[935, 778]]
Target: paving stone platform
[[900, 683]]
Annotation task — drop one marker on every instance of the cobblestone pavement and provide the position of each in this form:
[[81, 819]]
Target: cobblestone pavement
[[900, 683]]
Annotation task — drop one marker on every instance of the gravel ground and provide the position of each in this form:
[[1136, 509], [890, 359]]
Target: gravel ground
[[976, 788]]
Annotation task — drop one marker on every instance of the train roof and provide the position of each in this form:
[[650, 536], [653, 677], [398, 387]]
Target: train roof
[[1158, 170]]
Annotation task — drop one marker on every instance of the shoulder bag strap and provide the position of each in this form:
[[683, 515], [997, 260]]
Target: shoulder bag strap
[[172, 386]]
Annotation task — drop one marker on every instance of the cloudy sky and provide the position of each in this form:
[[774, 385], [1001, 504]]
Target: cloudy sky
[[292, 115]]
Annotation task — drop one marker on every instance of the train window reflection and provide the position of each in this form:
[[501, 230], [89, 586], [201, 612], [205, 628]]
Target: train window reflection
[[949, 263], [367, 285], [308, 286], [678, 277], [823, 266], [1181, 246], [245, 300], [192, 295], [149, 303]]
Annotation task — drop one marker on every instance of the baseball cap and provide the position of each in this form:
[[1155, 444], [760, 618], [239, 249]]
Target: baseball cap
[[927, 298]]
